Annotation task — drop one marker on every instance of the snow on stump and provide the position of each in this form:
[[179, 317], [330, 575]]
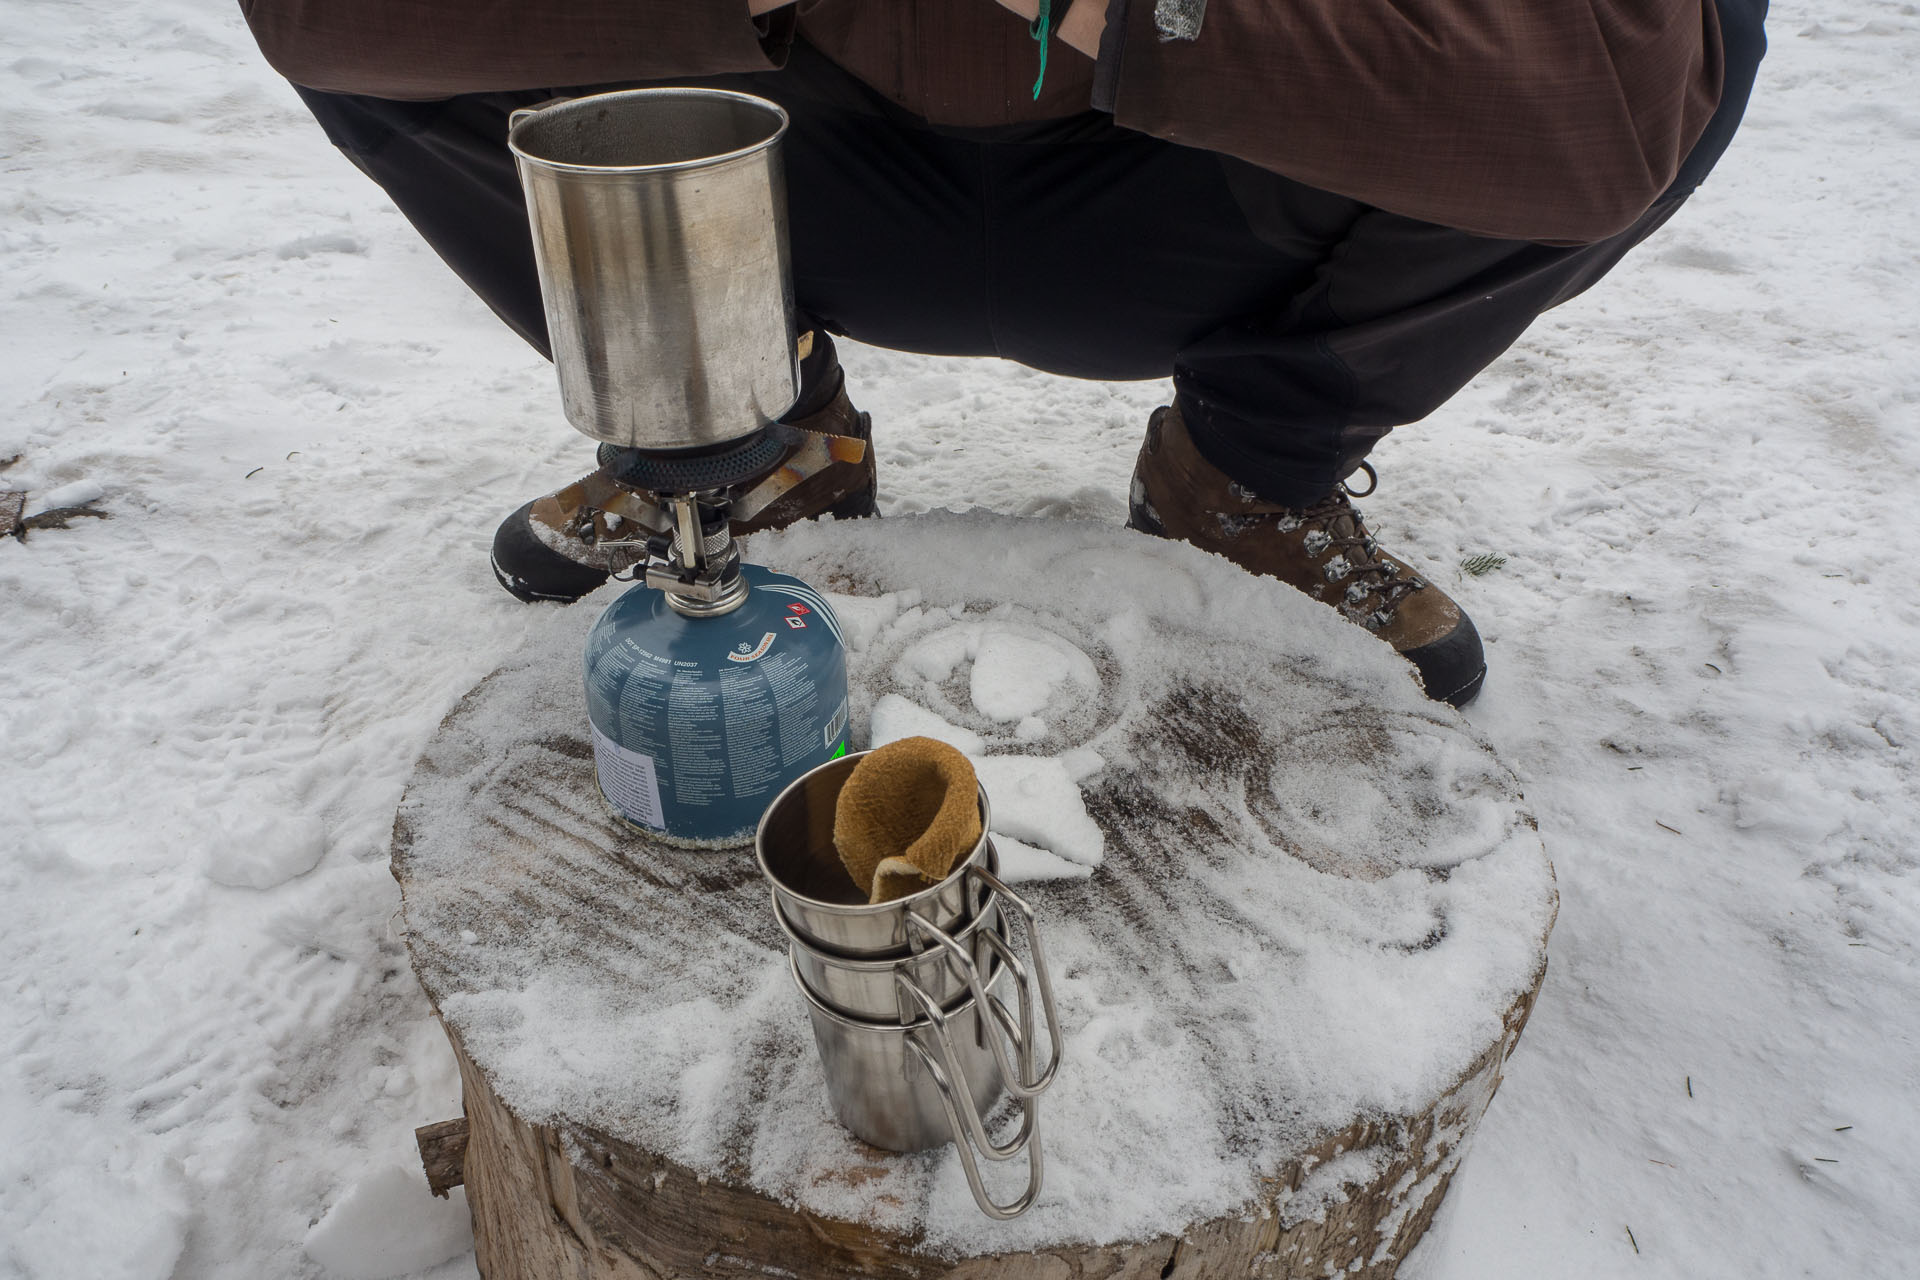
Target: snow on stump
[[1297, 916]]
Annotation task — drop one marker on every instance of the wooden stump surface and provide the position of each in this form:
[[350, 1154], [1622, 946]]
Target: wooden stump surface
[[1288, 987]]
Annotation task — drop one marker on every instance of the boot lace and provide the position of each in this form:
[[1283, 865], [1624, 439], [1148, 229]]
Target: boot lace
[[1352, 556]]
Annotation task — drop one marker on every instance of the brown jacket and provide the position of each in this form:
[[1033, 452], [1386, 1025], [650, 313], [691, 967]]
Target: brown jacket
[[1551, 120]]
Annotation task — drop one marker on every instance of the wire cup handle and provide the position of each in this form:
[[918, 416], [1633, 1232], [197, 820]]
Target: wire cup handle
[[1017, 1070], [963, 1118], [518, 114]]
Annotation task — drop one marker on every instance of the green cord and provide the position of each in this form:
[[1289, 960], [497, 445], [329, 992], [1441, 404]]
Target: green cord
[[1042, 28]]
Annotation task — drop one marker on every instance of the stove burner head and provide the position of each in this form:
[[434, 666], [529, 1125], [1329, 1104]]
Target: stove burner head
[[684, 502], [699, 470]]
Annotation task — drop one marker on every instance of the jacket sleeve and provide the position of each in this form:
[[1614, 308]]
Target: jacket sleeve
[[1559, 121], [414, 49]]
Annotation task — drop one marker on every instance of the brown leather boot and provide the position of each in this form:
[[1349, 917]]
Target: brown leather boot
[[564, 545], [1323, 549]]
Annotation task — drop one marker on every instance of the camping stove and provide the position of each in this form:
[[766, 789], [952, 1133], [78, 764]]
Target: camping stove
[[659, 230], [667, 516]]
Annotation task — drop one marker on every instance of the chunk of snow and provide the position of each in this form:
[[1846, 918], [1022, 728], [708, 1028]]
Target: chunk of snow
[[934, 658], [1034, 798], [328, 242], [894, 718], [76, 494], [259, 849], [388, 1224], [862, 617], [1081, 763], [1020, 862], [1018, 670]]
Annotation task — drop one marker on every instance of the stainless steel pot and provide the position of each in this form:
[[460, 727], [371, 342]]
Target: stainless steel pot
[[818, 900], [872, 989], [902, 988], [660, 231], [908, 1088]]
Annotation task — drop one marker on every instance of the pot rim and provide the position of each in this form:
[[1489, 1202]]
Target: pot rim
[[779, 113], [858, 910], [959, 1011], [879, 964]]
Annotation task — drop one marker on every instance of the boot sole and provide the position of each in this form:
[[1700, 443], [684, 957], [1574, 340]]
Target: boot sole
[[1465, 693]]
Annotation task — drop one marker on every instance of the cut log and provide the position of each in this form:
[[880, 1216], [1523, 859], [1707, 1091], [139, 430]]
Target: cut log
[[1288, 989], [567, 1201]]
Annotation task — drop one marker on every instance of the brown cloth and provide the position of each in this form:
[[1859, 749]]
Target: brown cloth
[[1552, 120], [908, 812]]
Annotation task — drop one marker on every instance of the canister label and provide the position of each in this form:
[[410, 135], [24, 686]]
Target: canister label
[[628, 778]]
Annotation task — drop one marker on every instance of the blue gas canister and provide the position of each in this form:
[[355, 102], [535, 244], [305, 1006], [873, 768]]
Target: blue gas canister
[[699, 722]]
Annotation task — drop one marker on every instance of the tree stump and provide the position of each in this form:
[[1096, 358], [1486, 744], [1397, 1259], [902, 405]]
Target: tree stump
[[1287, 988]]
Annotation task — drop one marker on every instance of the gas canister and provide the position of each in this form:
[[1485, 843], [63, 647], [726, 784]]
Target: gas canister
[[699, 722]]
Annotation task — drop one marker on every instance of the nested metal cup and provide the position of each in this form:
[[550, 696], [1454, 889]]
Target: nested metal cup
[[818, 900], [908, 1088], [872, 990], [660, 231]]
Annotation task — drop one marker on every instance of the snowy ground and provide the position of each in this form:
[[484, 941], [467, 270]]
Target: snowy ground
[[303, 432]]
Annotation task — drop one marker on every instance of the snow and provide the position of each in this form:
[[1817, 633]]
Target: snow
[[1036, 800], [894, 717], [103, 1213], [1017, 673], [1022, 862], [388, 1224], [304, 431], [77, 494], [260, 849]]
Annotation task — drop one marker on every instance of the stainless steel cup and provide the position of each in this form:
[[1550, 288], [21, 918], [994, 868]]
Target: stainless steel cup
[[873, 990], [818, 900], [660, 231], [908, 1088]]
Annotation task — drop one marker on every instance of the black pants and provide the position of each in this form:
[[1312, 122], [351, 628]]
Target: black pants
[[1299, 326]]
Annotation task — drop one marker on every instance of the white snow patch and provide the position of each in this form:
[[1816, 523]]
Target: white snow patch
[[894, 718], [326, 242], [1018, 671], [78, 493], [1019, 862], [1035, 798], [388, 1224], [862, 617], [103, 1213], [1331, 1184], [255, 849]]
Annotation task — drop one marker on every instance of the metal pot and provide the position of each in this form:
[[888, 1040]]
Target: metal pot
[[818, 900], [908, 1088], [902, 988], [660, 231], [872, 990]]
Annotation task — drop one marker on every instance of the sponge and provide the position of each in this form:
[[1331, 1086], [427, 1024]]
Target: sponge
[[907, 813]]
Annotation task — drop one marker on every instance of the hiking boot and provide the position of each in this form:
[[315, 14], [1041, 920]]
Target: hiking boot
[[564, 545], [1323, 549]]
